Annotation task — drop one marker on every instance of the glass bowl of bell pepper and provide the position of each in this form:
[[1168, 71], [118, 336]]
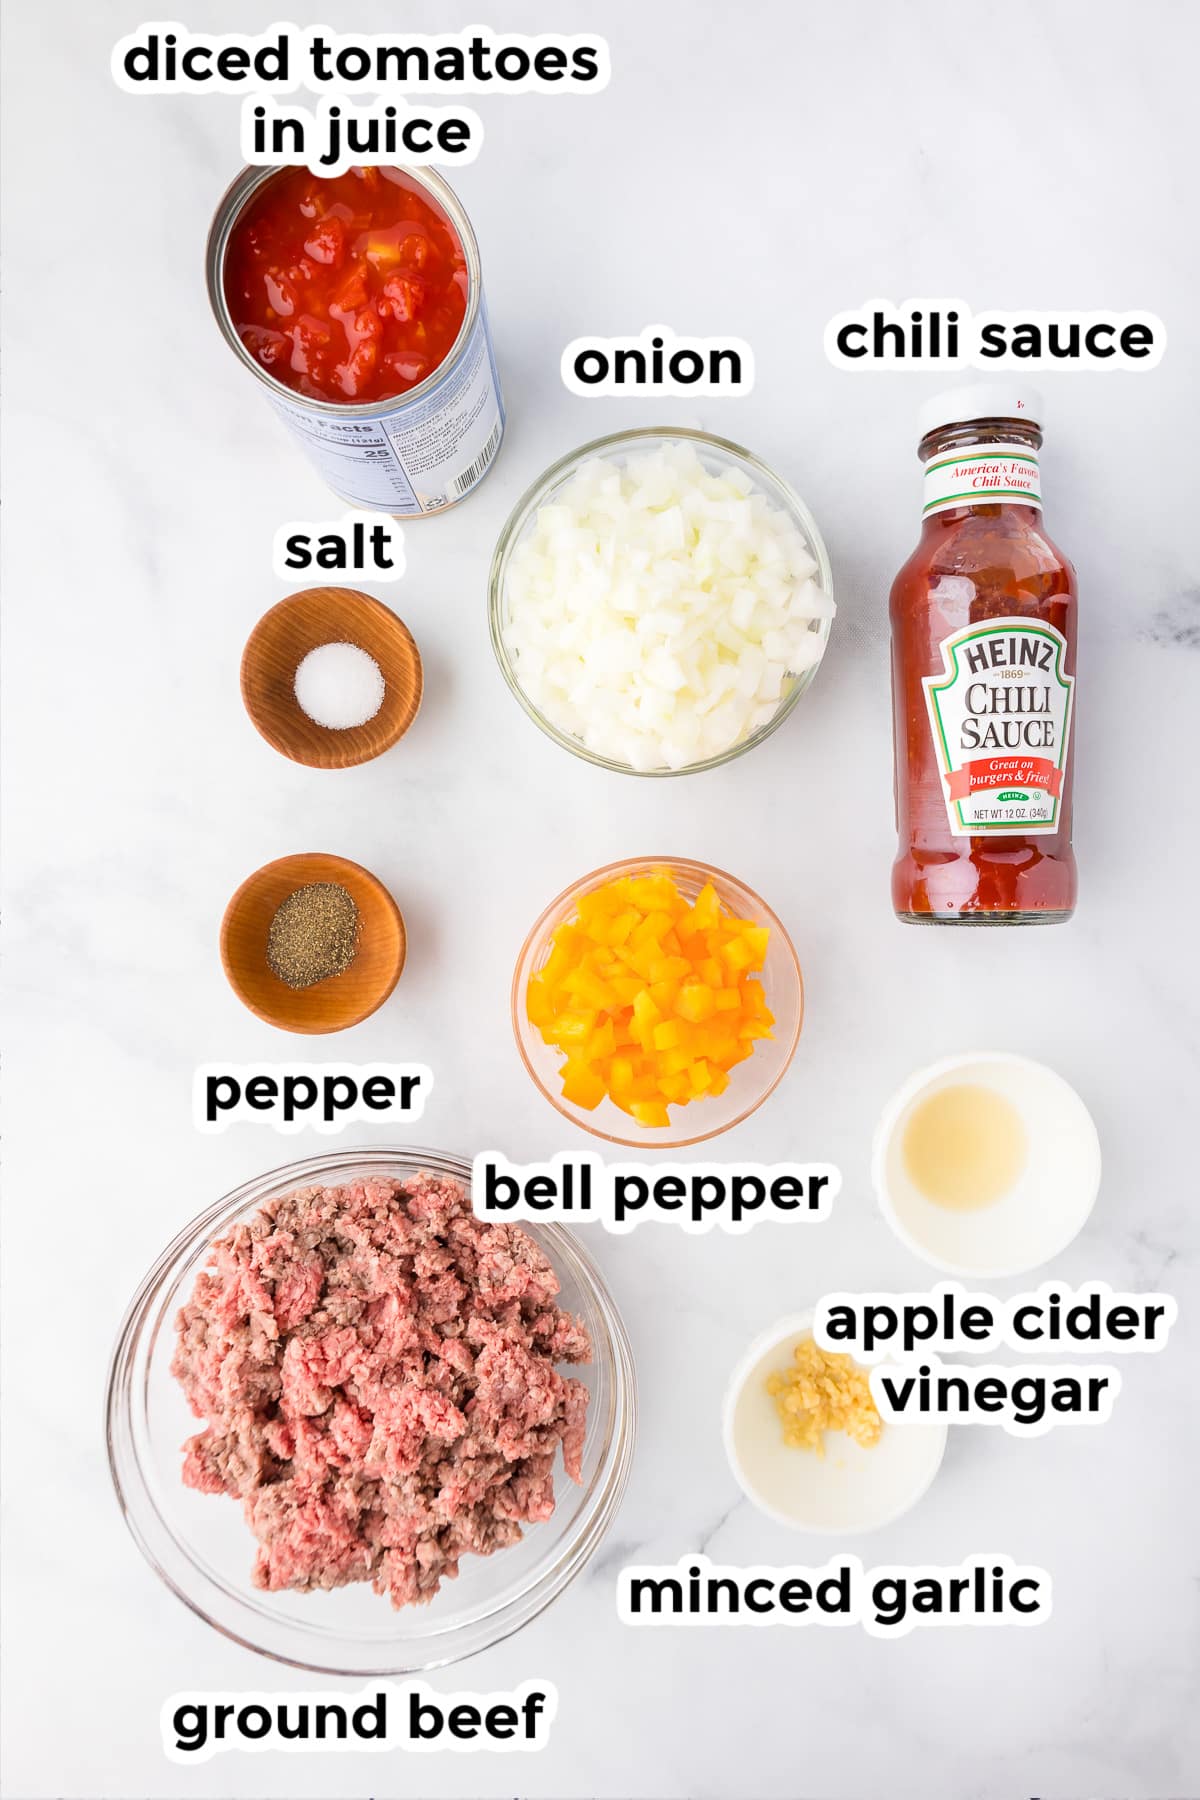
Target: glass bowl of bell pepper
[[657, 1002]]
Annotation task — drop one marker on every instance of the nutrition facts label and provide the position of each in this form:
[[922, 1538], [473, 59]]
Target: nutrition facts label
[[418, 457]]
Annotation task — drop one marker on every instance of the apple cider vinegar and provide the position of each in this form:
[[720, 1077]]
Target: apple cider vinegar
[[964, 1147]]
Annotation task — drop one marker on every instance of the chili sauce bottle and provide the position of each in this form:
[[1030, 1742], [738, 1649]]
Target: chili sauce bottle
[[983, 677]]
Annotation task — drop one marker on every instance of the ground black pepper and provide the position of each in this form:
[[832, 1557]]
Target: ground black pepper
[[313, 935]]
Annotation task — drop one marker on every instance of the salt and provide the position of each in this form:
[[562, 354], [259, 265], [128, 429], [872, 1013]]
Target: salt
[[339, 686]]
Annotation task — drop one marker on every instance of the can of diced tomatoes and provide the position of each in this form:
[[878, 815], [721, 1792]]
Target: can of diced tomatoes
[[357, 302]]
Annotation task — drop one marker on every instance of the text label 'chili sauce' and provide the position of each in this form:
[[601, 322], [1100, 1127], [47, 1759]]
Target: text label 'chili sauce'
[[358, 301], [983, 677]]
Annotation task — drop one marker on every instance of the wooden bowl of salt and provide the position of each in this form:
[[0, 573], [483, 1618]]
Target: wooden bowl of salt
[[331, 677]]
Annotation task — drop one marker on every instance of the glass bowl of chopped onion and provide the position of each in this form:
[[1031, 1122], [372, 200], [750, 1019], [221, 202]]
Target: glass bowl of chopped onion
[[659, 601], [579, 1043]]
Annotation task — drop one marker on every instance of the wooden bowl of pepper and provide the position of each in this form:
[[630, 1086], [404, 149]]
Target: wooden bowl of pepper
[[312, 943]]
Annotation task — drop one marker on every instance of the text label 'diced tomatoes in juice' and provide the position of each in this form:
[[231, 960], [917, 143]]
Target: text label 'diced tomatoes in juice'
[[358, 301]]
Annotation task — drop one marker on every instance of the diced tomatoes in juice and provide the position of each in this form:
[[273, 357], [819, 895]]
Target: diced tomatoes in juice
[[327, 244], [361, 280]]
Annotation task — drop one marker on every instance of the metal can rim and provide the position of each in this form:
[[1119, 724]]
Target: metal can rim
[[230, 207]]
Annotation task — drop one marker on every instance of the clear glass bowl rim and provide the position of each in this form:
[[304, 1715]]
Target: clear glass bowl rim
[[643, 865], [536, 493], [494, 1624]]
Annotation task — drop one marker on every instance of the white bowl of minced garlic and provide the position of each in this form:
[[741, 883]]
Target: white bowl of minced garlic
[[805, 1441]]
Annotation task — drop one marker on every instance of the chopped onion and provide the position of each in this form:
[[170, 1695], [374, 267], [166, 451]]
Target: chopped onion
[[659, 613]]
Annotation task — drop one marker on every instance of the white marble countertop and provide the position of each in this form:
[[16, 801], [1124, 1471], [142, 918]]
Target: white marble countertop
[[752, 172]]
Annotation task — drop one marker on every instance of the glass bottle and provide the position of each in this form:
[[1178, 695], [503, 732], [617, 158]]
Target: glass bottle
[[983, 676]]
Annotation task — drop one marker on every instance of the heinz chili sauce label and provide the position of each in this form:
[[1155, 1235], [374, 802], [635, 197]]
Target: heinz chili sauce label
[[1000, 714]]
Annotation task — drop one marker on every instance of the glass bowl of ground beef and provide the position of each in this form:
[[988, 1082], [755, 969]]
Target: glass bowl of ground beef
[[359, 1430]]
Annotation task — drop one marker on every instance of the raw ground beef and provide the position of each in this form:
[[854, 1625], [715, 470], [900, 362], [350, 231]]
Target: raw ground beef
[[375, 1367]]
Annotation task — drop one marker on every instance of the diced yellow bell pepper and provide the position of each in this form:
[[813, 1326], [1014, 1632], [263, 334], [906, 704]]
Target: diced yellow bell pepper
[[737, 955], [650, 999], [594, 908], [642, 960], [699, 1077], [558, 963], [706, 909], [696, 1002], [575, 1027], [645, 1013], [622, 925], [756, 938], [582, 1088], [671, 968], [650, 1113], [539, 1006], [620, 1075], [654, 893]]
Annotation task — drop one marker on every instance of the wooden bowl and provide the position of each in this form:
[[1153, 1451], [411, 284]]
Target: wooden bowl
[[278, 645], [340, 1000]]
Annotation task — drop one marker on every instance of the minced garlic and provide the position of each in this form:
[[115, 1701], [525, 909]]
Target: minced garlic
[[823, 1391]]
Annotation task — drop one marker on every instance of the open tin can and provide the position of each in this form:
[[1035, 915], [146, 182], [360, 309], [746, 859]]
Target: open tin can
[[420, 452]]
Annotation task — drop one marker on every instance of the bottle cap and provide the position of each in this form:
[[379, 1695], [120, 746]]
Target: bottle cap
[[982, 400]]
